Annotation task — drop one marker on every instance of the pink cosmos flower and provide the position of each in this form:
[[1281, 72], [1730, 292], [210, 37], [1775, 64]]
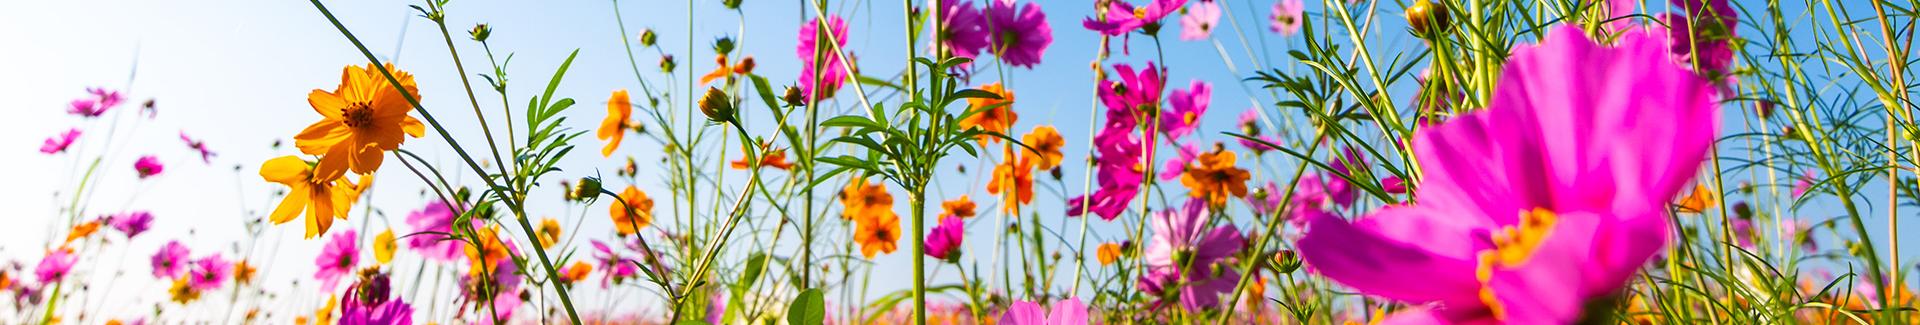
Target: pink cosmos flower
[[1250, 126], [1179, 163], [338, 259], [367, 303], [1552, 196], [1339, 189], [1020, 34], [1703, 37], [432, 230], [55, 265], [1287, 16], [1123, 17], [148, 166], [616, 268], [102, 100], [59, 143], [1267, 199], [1186, 257], [1199, 21], [1119, 169], [944, 241], [833, 73], [1803, 184], [132, 223], [1188, 106], [966, 30], [206, 155], [1133, 93], [1065, 312], [170, 261], [209, 272]]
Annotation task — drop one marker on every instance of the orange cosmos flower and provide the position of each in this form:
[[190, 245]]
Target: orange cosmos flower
[[1213, 176], [614, 127], [83, 230], [323, 199], [1015, 175], [768, 158], [1698, 201], [577, 272], [549, 232], [878, 232], [628, 221], [181, 293], [383, 246], [488, 250], [961, 207], [744, 67], [997, 118], [1108, 253], [1047, 142], [860, 197], [364, 118], [243, 272]]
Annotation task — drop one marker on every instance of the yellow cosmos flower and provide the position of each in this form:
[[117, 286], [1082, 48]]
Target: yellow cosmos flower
[[323, 199], [383, 247], [628, 221], [549, 232], [614, 127], [364, 118]]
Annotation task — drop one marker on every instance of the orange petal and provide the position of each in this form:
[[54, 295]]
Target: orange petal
[[321, 136], [290, 206], [288, 170], [325, 103]]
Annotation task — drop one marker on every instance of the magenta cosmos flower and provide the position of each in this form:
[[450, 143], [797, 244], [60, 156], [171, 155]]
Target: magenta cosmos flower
[[59, 143], [966, 31], [1250, 126], [1020, 34], [1188, 105], [944, 241], [148, 166], [833, 73], [1552, 196], [1123, 154], [615, 267], [1187, 261], [170, 261], [432, 230], [209, 272], [55, 265], [367, 303], [1199, 21], [1704, 36], [1123, 17], [1286, 17], [206, 155], [1185, 155], [132, 223], [101, 100], [1065, 312], [337, 260]]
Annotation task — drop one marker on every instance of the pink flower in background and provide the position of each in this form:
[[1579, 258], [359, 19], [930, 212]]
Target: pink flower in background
[[1267, 199], [966, 31], [1339, 189], [1019, 34], [1393, 185], [55, 265], [1704, 36], [1803, 184], [1188, 105], [1183, 254], [1134, 93], [1199, 21], [59, 143], [170, 261], [209, 272], [1119, 169], [337, 260], [148, 166], [432, 230], [1123, 17], [1065, 312], [1286, 17], [617, 268], [833, 73], [1554, 195], [133, 223], [1250, 126], [367, 303], [206, 155], [1178, 165], [944, 241], [101, 101]]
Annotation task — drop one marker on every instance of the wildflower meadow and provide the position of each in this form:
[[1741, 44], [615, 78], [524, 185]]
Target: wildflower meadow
[[959, 162]]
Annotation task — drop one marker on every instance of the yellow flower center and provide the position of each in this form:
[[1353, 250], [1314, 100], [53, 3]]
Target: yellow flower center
[[1189, 117], [1512, 246], [357, 115], [1140, 13]]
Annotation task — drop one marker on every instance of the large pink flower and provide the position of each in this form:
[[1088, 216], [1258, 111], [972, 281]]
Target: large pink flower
[[833, 72], [1554, 195], [966, 31], [1065, 312], [1020, 34], [432, 231], [1187, 257], [1123, 17], [170, 260], [337, 260], [1186, 108]]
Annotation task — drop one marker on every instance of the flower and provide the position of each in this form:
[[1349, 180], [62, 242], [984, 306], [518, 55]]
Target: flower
[[549, 232], [358, 311], [206, 155], [614, 127], [1188, 105], [433, 231], [833, 73], [1046, 143], [148, 166], [1698, 200], [383, 247], [1178, 165], [1214, 177], [878, 232], [770, 158], [861, 198], [170, 261], [966, 30], [243, 272], [323, 199], [1267, 199], [133, 223], [1123, 17], [363, 119], [1286, 17], [1065, 312], [55, 265], [1803, 184], [102, 100], [1016, 177], [1020, 34], [181, 292], [959, 207], [1119, 173], [209, 272], [1250, 127], [617, 267], [944, 241], [1135, 93], [991, 115], [1108, 253], [1199, 21], [1541, 202], [632, 212], [59, 143], [577, 272], [83, 230], [1185, 257], [338, 259], [489, 250], [1704, 37], [1339, 189]]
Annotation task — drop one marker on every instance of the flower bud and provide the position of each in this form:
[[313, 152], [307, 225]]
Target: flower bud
[[587, 188], [723, 45], [745, 67], [1743, 210], [1286, 261], [1427, 18], [793, 97], [647, 37], [666, 63], [480, 32], [717, 106], [731, 4]]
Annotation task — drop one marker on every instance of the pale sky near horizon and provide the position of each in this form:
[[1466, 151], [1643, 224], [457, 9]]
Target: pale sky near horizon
[[235, 73]]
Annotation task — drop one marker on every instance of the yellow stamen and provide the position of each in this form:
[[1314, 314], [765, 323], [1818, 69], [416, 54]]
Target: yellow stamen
[[1512, 246]]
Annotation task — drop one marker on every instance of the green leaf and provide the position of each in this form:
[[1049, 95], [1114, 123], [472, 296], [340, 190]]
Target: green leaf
[[809, 308], [557, 74], [975, 93], [752, 273], [847, 121]]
